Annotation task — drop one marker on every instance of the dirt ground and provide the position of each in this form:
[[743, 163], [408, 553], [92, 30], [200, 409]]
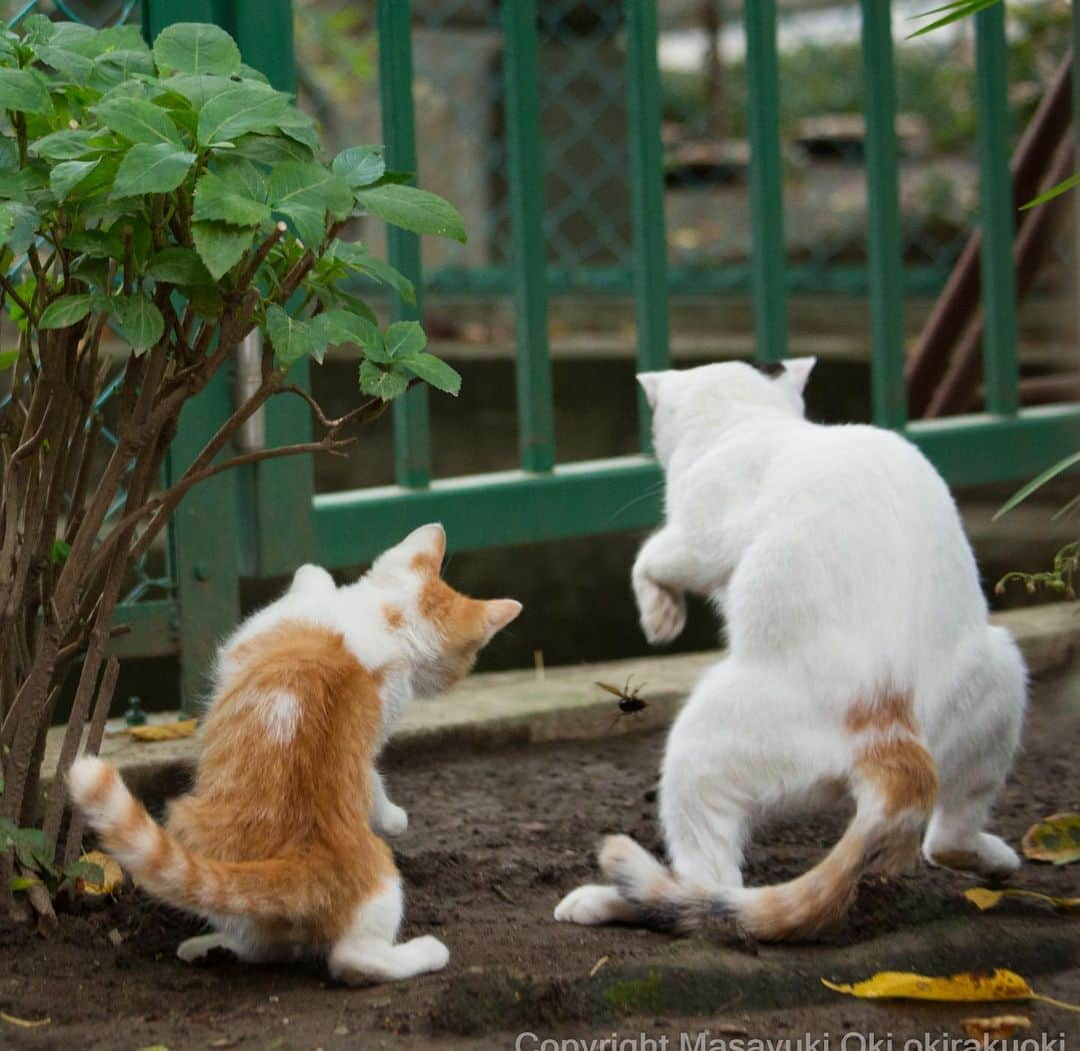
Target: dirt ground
[[494, 841]]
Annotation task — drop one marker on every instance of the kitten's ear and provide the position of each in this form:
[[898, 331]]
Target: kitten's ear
[[429, 540], [650, 384], [798, 371], [312, 578], [499, 612]]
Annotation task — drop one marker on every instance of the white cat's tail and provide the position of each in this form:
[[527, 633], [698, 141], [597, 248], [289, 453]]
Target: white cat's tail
[[274, 888], [894, 783]]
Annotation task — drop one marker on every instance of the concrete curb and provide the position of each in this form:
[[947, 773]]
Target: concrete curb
[[698, 977], [496, 710]]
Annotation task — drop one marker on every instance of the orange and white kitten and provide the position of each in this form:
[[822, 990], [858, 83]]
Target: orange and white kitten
[[278, 845]]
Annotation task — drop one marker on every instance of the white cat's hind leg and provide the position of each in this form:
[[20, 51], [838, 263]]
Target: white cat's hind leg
[[594, 904], [988, 704], [366, 952]]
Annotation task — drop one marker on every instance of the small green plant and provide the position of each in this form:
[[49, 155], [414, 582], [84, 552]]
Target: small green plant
[[1061, 576], [172, 198]]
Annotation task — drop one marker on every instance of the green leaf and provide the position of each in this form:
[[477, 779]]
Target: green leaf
[[379, 383], [69, 65], [8, 359], [344, 326], [228, 202], [60, 551], [18, 226], [357, 257], [1055, 191], [412, 209], [273, 149], [300, 127], [196, 89], [139, 322], [196, 47], [24, 91], [220, 246], [66, 311], [957, 10], [242, 108], [67, 175], [152, 169], [21, 883], [433, 371], [304, 193], [360, 166], [293, 338], [178, 266], [1037, 483], [118, 67], [66, 145], [206, 300], [404, 338], [138, 121]]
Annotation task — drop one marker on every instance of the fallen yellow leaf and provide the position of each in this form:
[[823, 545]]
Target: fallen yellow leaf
[[163, 731], [995, 1028], [985, 898], [24, 1023], [904, 985], [111, 871], [1057, 839]]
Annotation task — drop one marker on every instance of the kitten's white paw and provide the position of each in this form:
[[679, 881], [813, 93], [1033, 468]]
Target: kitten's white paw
[[198, 948], [427, 954], [393, 820], [592, 904], [989, 856], [663, 612]]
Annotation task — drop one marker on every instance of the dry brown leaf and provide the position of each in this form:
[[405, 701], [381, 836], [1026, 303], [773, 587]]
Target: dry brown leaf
[[985, 898], [997, 1027], [112, 874], [956, 988], [24, 1023], [1057, 839], [163, 731]]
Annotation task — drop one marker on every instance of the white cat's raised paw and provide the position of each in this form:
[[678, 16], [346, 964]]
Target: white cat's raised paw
[[663, 612], [594, 904], [392, 821]]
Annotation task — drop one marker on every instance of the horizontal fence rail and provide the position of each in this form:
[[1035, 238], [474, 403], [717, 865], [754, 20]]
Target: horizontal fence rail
[[545, 500]]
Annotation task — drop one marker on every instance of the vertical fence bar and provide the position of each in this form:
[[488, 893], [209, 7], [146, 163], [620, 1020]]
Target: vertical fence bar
[[276, 495], [647, 198], [1000, 363], [535, 404], [412, 432], [204, 533], [883, 201], [766, 182]]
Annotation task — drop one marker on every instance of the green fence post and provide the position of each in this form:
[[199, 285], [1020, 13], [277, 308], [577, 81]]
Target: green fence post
[[1000, 364], [412, 438], [883, 202], [203, 536], [532, 368], [278, 533], [766, 184], [647, 199]]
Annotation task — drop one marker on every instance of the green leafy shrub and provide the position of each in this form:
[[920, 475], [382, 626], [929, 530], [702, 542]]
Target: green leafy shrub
[[172, 196]]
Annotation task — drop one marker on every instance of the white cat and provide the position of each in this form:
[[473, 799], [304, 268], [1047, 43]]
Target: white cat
[[860, 657]]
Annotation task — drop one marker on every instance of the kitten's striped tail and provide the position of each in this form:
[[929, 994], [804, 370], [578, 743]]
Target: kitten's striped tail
[[270, 889], [894, 783]]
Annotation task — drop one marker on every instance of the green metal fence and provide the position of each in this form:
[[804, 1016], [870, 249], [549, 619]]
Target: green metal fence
[[264, 522]]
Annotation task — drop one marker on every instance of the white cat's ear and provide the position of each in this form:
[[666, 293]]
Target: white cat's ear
[[312, 578], [499, 612], [428, 540], [798, 370], [650, 384]]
